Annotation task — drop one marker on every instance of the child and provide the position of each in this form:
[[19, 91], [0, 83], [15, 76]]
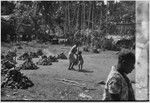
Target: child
[[80, 60], [118, 87]]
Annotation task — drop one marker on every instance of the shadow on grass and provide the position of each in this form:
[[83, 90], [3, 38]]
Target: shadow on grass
[[83, 70], [86, 71], [101, 82]]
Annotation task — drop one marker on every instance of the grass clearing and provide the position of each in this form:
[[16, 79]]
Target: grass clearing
[[46, 87]]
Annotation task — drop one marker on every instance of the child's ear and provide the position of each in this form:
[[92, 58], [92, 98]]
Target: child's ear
[[123, 62]]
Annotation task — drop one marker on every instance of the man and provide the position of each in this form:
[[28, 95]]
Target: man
[[71, 55], [118, 86]]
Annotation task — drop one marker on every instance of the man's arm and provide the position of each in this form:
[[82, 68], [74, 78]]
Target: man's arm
[[114, 88], [115, 97]]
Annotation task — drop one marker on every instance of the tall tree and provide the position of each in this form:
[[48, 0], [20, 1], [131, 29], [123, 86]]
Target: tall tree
[[90, 9]]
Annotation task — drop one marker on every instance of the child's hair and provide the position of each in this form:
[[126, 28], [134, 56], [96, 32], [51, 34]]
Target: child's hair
[[79, 52], [126, 56]]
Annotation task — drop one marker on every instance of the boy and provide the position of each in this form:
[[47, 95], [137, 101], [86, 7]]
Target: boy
[[80, 60], [118, 86]]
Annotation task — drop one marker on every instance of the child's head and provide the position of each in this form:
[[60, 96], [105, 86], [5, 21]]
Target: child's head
[[79, 52], [126, 61]]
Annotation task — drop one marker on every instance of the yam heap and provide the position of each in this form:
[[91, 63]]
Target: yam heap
[[11, 75]]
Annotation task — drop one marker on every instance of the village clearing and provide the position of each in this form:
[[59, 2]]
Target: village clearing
[[56, 82]]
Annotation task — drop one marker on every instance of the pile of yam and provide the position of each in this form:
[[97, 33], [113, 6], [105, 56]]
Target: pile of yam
[[61, 56], [14, 79], [28, 65], [44, 61]]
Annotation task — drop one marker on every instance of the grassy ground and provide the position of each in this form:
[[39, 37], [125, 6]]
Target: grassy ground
[[48, 84]]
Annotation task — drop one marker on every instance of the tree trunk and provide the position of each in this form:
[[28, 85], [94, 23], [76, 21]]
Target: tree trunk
[[89, 15], [100, 24], [84, 22], [84, 15], [77, 22], [68, 17], [93, 15], [81, 17], [65, 23], [106, 19]]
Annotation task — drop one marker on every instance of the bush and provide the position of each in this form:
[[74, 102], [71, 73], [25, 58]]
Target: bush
[[94, 50], [62, 41], [107, 44], [115, 48], [124, 43], [86, 48], [2, 56]]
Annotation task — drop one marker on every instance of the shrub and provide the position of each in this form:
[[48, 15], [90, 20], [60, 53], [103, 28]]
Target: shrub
[[107, 44], [115, 48], [86, 48], [94, 50], [125, 43]]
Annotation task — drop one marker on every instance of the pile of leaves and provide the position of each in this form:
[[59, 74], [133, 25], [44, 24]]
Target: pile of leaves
[[6, 65], [44, 61], [28, 65], [24, 56], [11, 53], [8, 62], [61, 56], [2, 56], [33, 55], [52, 59], [12, 77], [19, 47], [39, 52], [16, 80], [10, 56]]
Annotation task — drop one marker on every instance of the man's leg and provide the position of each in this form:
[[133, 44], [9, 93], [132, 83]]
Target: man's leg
[[79, 67], [69, 65], [72, 66]]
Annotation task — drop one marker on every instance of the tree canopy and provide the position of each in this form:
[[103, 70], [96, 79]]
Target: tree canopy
[[40, 19]]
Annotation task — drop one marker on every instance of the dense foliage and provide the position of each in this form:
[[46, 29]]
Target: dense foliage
[[87, 22]]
